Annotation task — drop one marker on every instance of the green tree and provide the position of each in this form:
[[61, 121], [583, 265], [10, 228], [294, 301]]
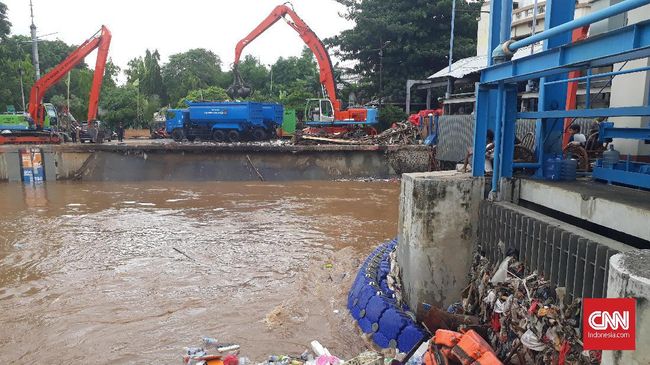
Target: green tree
[[5, 25], [418, 33], [134, 70], [15, 55], [122, 105], [152, 85], [390, 114], [147, 72], [254, 73], [192, 70], [288, 70], [110, 75]]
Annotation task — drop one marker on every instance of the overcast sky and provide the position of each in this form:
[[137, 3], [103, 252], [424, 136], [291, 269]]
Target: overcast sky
[[176, 26]]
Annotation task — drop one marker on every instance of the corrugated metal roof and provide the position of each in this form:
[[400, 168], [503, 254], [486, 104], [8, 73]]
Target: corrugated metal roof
[[462, 68], [470, 65]]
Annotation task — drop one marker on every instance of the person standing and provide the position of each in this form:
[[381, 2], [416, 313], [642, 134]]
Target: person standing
[[120, 132]]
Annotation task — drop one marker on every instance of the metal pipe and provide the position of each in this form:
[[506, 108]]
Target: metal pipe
[[451, 39], [450, 84], [35, 58], [577, 23], [22, 89], [527, 165], [588, 90], [496, 171], [506, 21], [533, 30], [599, 76]]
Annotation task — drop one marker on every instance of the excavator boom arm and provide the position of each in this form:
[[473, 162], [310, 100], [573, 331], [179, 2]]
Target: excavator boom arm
[[311, 40], [57, 73]]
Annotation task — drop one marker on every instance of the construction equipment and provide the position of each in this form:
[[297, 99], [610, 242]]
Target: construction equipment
[[42, 114], [322, 114], [224, 121]]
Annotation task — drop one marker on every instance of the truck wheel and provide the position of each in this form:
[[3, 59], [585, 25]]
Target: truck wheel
[[178, 135], [218, 135], [233, 136], [259, 134]]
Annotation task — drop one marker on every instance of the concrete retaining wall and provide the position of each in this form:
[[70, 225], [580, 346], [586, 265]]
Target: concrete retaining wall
[[437, 233], [199, 162], [629, 277]]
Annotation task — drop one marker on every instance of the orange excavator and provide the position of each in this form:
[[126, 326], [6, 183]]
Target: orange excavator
[[41, 113], [325, 113]]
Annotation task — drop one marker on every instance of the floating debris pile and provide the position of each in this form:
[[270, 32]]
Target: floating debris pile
[[228, 354]]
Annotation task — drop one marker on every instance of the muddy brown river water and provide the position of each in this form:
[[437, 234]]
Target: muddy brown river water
[[97, 273]]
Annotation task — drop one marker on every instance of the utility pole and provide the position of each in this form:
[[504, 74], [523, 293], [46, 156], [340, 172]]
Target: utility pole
[[450, 83], [22, 89], [68, 84], [271, 66], [32, 28], [381, 71]]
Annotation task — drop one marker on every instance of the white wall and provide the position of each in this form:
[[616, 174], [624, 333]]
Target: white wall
[[632, 90]]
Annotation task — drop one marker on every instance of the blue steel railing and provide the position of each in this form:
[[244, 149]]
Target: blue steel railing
[[495, 98], [510, 47]]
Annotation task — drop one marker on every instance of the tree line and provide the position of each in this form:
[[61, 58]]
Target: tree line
[[404, 39]]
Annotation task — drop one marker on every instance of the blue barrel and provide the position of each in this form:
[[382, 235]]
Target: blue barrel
[[568, 170], [553, 168]]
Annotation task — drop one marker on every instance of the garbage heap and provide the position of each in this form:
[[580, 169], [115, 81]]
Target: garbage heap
[[506, 315], [401, 133], [212, 352], [528, 320]]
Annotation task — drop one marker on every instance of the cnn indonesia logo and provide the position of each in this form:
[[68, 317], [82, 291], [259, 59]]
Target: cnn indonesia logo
[[608, 324]]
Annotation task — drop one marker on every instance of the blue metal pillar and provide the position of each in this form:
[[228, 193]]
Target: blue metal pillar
[[509, 126], [553, 97], [486, 97], [494, 38], [480, 129], [500, 23], [498, 138]]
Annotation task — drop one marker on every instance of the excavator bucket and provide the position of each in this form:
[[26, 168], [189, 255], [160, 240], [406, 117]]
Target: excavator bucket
[[238, 89]]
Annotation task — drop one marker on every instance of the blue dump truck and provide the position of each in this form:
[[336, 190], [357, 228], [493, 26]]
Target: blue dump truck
[[224, 121]]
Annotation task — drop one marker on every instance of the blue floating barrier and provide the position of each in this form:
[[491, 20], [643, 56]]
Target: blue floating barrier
[[381, 340], [375, 308], [409, 338], [365, 325], [392, 322]]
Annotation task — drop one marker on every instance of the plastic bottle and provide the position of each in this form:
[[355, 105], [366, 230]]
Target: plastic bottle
[[611, 157], [210, 342]]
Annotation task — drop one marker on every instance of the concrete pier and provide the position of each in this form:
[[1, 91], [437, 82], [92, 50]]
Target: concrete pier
[[209, 161], [629, 277], [437, 233]]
